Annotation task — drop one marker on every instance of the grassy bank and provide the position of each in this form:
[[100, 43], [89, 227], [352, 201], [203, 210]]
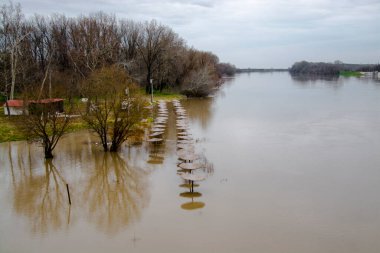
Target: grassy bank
[[76, 125], [346, 73], [165, 95], [9, 132]]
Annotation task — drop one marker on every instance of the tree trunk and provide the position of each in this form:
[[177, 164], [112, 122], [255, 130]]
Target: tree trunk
[[48, 151], [163, 84], [7, 106], [114, 147], [104, 143], [148, 89], [13, 72], [105, 147]]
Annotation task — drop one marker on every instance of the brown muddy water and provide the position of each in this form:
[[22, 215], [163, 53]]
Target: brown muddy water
[[296, 168]]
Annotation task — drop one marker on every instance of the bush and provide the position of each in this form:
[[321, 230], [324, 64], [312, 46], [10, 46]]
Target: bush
[[226, 69], [199, 83]]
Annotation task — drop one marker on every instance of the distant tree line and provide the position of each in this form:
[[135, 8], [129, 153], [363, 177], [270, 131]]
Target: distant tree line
[[250, 70], [311, 68], [369, 68], [322, 68], [226, 69], [63, 51]]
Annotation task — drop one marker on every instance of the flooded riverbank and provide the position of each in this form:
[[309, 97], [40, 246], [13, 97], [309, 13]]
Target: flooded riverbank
[[295, 169]]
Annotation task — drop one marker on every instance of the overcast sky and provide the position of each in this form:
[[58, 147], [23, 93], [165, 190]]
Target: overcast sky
[[252, 33]]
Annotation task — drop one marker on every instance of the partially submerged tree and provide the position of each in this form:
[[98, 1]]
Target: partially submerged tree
[[225, 69], [199, 83], [115, 106], [42, 121]]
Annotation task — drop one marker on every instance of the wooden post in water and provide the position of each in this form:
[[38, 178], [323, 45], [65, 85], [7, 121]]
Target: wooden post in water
[[68, 193]]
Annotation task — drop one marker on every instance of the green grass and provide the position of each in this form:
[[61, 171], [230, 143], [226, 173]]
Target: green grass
[[165, 95], [76, 125], [8, 131], [346, 73]]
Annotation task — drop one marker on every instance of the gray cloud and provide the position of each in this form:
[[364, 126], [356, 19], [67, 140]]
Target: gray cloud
[[201, 3], [257, 33]]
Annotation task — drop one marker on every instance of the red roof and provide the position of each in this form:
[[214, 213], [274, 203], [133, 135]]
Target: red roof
[[15, 103], [20, 103]]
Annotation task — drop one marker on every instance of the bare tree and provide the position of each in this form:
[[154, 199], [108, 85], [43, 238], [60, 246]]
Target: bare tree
[[152, 43], [170, 63], [94, 42], [65, 51], [115, 106], [44, 124], [129, 33], [12, 23], [44, 120], [199, 83], [60, 40], [226, 69]]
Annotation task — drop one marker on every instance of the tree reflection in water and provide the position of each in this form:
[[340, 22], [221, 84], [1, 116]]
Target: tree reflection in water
[[111, 195], [41, 196], [116, 193], [306, 81]]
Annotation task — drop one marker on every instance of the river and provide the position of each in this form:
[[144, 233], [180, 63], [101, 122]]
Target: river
[[294, 167]]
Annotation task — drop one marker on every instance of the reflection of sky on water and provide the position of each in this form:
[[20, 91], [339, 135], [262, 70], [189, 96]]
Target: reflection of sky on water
[[199, 110]]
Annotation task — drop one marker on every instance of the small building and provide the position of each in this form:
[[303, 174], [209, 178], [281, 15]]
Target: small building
[[50, 104], [16, 107]]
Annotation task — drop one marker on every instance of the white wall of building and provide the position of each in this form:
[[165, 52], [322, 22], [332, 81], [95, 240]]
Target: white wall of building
[[13, 110]]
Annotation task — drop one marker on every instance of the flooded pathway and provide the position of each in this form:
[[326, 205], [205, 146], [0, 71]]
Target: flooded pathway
[[191, 165]]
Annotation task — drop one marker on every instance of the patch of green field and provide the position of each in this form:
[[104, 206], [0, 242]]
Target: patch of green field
[[8, 131], [350, 73], [167, 96], [76, 125]]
